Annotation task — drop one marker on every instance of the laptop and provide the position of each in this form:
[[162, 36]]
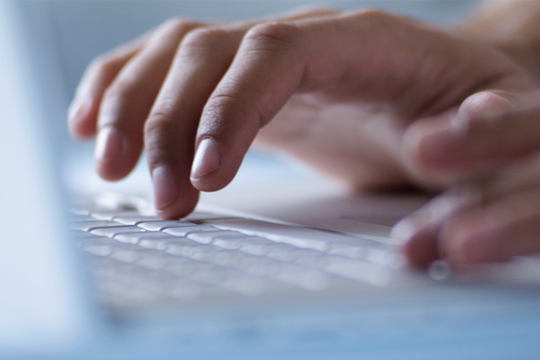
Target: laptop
[[100, 277]]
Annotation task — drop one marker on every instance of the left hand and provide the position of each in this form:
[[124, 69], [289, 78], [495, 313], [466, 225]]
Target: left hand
[[490, 219]]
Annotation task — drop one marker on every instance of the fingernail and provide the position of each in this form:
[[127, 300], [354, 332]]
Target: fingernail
[[109, 144], [403, 231], [166, 187], [207, 158], [78, 109]]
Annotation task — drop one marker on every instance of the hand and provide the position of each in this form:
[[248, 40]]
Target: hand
[[489, 219], [342, 88]]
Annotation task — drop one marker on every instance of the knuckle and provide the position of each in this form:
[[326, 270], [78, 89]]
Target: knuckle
[[103, 65], [204, 38], [215, 110], [271, 35], [310, 10], [223, 106], [178, 26], [372, 15], [157, 134], [158, 124], [119, 91], [221, 101]]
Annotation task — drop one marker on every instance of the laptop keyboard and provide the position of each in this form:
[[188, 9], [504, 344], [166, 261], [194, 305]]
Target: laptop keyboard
[[138, 258]]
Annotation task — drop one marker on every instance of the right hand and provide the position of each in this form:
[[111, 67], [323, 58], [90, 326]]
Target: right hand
[[342, 88]]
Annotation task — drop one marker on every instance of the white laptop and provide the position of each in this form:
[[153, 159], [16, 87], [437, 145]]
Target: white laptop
[[103, 278]]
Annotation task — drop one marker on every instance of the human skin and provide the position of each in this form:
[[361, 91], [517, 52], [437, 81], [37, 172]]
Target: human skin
[[496, 216], [360, 95]]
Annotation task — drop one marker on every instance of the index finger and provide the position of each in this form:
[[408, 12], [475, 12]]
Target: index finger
[[274, 61]]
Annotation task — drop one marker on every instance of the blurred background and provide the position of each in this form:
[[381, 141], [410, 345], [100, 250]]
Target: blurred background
[[66, 35]]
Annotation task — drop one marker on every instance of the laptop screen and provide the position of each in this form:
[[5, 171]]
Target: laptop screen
[[39, 305]]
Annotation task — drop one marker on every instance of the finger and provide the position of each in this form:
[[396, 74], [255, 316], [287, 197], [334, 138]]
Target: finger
[[83, 111], [128, 100], [202, 58], [494, 232], [522, 176], [489, 129], [201, 61], [271, 64], [419, 232], [277, 60]]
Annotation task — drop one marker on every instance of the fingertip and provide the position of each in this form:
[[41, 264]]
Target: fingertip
[[181, 207], [166, 187], [82, 118], [115, 155], [486, 104], [174, 198], [112, 170], [419, 240]]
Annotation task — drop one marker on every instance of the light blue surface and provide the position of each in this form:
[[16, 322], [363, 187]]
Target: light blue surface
[[491, 326]]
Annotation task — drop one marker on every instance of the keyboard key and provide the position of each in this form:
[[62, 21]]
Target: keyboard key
[[225, 258], [89, 225], [184, 249], [360, 271], [205, 253], [206, 237], [101, 250], [282, 252], [311, 258], [136, 219], [135, 237], [200, 216], [111, 231], [126, 255], [228, 244], [181, 267], [153, 260], [161, 225], [259, 266], [296, 236], [385, 257], [162, 243], [112, 214], [255, 245], [348, 250], [208, 275], [184, 230]]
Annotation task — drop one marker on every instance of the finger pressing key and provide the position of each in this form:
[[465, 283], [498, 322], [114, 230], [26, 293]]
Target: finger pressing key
[[203, 57]]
